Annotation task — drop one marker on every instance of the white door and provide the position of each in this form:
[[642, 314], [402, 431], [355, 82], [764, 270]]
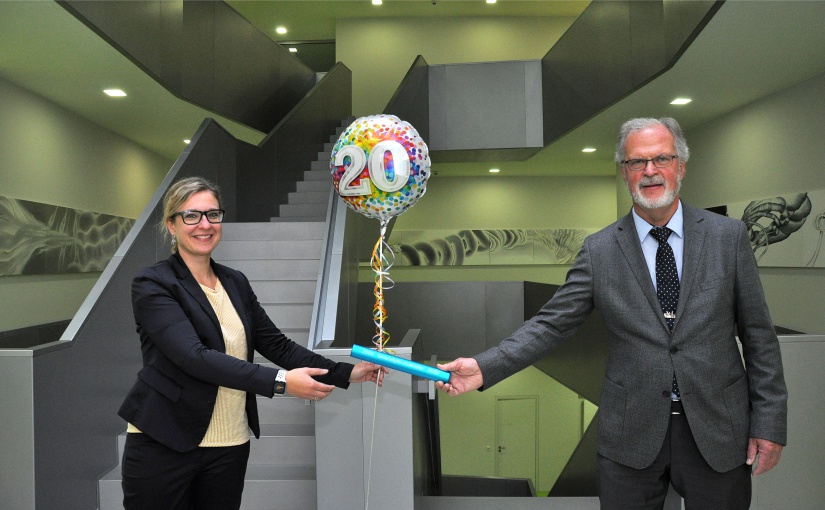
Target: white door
[[516, 437]]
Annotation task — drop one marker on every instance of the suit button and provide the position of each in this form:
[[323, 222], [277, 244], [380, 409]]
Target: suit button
[[674, 350], [666, 394]]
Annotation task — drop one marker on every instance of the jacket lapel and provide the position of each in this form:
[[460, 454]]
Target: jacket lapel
[[188, 282], [693, 245], [628, 241]]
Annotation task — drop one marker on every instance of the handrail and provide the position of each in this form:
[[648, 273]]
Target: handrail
[[325, 302]]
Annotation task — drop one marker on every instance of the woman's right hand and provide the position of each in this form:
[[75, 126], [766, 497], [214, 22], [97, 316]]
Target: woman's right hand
[[300, 383]]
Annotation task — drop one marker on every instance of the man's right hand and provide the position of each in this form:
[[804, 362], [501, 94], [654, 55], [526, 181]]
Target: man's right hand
[[465, 375]]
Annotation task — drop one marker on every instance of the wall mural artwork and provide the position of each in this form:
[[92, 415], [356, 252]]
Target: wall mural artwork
[[785, 231], [40, 238], [487, 247]]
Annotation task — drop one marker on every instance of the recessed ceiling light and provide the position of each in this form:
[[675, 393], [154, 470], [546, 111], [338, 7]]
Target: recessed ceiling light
[[376, 2], [491, 1], [293, 50], [589, 149], [494, 170], [280, 30], [114, 93], [187, 142], [681, 100]]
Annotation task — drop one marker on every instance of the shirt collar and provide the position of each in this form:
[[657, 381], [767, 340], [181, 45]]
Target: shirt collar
[[676, 223]]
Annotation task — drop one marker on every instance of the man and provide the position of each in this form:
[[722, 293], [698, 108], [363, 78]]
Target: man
[[677, 405]]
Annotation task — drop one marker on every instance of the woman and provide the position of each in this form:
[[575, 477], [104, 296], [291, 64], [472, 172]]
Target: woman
[[191, 408]]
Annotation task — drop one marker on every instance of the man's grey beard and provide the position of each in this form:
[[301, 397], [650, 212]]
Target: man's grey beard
[[664, 200]]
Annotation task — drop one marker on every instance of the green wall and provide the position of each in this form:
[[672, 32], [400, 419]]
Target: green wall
[[499, 202], [380, 51], [771, 147], [50, 155], [468, 426]]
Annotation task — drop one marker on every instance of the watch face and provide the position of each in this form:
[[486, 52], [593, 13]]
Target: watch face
[[280, 388]]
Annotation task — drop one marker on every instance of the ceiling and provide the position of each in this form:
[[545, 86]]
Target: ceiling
[[750, 49]]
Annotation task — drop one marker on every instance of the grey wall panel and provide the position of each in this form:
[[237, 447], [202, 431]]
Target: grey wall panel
[[450, 315], [797, 481], [503, 311], [352, 462], [437, 80], [17, 473], [76, 395], [485, 105], [411, 101]]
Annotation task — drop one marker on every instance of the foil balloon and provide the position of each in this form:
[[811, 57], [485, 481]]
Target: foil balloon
[[380, 166]]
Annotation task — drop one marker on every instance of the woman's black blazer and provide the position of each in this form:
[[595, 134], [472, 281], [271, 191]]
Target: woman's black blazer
[[184, 358]]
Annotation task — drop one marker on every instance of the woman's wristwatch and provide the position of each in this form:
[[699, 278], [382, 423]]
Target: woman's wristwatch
[[280, 382]]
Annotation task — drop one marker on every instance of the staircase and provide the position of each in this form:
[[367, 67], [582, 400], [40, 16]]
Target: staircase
[[281, 259]]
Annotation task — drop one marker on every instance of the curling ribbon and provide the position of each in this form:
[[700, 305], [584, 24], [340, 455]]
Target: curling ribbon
[[381, 267]]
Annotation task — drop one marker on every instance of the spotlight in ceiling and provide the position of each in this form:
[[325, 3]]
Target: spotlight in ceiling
[[187, 142], [114, 93], [376, 2], [681, 100], [589, 149], [280, 30], [494, 170], [491, 1], [293, 49]]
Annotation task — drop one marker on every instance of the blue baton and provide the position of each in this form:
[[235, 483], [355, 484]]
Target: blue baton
[[400, 364]]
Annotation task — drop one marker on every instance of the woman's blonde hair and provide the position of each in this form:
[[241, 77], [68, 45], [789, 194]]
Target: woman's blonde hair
[[178, 193]]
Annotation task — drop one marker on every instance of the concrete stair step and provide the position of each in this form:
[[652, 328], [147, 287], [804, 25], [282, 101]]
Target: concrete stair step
[[292, 210], [285, 292], [284, 444], [296, 219], [289, 315], [267, 231], [286, 410], [229, 250], [307, 186], [268, 488], [278, 269], [318, 175], [321, 166], [310, 197]]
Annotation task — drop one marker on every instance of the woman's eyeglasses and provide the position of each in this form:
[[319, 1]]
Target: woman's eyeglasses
[[194, 217]]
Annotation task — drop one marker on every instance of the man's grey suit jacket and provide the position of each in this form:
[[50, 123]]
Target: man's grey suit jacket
[[726, 402]]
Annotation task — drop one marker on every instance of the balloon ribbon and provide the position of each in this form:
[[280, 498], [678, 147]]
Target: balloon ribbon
[[382, 259], [381, 262]]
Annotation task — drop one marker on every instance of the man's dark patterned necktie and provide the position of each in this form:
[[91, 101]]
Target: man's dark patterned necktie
[[667, 282]]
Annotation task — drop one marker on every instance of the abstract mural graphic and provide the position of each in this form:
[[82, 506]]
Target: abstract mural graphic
[[40, 238], [487, 247], [785, 231]]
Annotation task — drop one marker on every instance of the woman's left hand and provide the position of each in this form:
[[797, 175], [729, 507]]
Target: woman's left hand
[[366, 371]]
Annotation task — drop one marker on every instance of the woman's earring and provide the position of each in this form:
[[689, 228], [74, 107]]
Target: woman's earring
[[174, 241]]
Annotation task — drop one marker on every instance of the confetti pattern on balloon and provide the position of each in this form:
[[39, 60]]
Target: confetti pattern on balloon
[[371, 190]]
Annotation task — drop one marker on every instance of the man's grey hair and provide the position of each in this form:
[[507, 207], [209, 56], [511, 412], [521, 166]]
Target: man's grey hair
[[633, 125]]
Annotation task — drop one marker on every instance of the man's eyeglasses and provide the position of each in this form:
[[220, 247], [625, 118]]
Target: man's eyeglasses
[[194, 217], [660, 161]]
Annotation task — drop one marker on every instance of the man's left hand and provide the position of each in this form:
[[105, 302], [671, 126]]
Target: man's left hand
[[768, 451]]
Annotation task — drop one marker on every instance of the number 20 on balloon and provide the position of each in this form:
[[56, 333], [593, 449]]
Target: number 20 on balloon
[[377, 166]]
